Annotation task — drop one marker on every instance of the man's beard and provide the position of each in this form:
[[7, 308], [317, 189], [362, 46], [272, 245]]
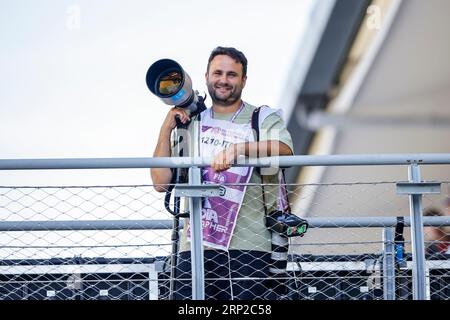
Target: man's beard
[[233, 95]]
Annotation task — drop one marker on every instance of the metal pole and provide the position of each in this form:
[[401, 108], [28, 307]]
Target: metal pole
[[388, 264], [72, 225], [332, 222], [195, 209], [418, 253], [186, 162]]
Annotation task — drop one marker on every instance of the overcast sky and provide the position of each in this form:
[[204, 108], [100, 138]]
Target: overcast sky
[[72, 79]]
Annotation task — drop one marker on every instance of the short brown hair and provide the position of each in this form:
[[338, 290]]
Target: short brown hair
[[237, 55]]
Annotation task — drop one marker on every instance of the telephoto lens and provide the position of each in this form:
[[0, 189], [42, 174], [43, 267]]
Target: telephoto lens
[[167, 80]]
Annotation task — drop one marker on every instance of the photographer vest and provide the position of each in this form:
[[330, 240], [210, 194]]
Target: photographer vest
[[219, 213]]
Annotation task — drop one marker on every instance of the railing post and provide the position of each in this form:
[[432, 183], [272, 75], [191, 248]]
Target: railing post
[[418, 252], [195, 209], [388, 264]]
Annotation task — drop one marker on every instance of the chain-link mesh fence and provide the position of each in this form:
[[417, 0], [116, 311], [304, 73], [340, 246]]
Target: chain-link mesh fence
[[352, 258], [69, 261], [104, 257]]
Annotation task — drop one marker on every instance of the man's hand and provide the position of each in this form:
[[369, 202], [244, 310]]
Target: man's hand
[[161, 176], [223, 160], [170, 122]]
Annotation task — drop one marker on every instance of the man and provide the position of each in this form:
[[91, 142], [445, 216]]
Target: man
[[237, 242]]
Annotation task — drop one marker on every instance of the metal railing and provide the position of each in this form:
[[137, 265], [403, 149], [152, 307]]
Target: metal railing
[[415, 188]]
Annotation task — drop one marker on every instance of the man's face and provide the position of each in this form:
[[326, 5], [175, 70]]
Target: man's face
[[224, 80]]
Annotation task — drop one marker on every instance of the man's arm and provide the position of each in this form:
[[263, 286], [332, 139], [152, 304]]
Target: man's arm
[[161, 176], [223, 160]]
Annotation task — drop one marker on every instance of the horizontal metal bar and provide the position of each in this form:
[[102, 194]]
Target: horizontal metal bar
[[199, 190], [146, 267], [355, 265], [318, 119], [418, 187], [185, 162], [78, 268], [85, 225], [332, 222], [369, 222]]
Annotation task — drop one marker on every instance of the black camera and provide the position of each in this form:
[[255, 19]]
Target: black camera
[[286, 224]]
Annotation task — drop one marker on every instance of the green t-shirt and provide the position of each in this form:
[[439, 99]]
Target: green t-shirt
[[250, 232]]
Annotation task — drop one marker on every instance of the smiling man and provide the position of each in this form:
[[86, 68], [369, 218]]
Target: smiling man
[[225, 79], [236, 241]]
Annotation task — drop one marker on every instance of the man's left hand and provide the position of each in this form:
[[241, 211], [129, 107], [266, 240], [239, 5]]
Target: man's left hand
[[225, 158]]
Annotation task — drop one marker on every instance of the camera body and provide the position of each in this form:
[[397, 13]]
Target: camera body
[[286, 224]]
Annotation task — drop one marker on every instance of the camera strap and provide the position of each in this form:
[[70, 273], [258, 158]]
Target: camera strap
[[255, 127]]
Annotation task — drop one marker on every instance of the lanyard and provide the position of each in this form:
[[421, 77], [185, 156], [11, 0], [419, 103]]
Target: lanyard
[[234, 115]]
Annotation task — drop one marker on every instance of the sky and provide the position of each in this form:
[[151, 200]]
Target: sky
[[73, 73]]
